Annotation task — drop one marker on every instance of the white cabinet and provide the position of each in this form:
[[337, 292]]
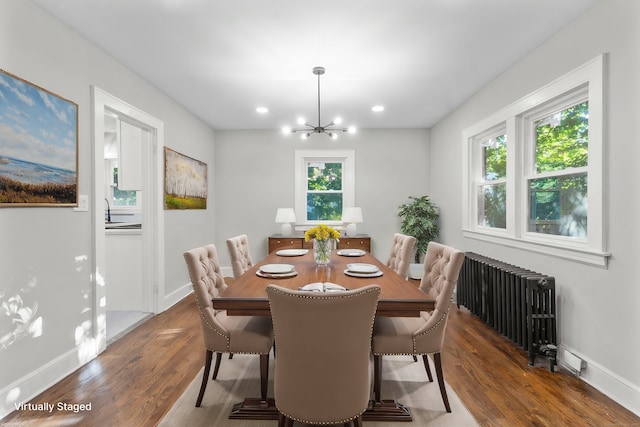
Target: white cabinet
[[123, 275], [130, 144]]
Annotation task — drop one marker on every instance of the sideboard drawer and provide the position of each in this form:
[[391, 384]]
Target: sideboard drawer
[[355, 242], [277, 243]]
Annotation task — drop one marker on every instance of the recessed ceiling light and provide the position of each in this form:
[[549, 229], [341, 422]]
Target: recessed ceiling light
[[262, 110], [377, 108]]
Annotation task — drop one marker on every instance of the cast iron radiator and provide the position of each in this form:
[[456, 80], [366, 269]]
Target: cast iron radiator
[[518, 303]]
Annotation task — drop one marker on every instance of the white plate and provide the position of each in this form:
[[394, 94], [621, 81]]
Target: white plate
[[276, 276], [362, 268], [291, 252], [354, 274], [351, 252], [276, 268], [322, 287]]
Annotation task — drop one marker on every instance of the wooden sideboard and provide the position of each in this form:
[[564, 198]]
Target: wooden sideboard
[[296, 241]]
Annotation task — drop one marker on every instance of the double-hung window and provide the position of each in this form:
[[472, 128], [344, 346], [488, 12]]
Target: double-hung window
[[558, 170], [492, 183], [324, 185], [534, 171]]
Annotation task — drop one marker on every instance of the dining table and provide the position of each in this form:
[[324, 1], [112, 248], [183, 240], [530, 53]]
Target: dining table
[[296, 269]]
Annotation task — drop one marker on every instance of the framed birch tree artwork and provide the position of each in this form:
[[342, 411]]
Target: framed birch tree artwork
[[38, 145], [185, 181]]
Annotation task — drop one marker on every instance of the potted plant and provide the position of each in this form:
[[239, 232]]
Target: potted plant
[[420, 220]]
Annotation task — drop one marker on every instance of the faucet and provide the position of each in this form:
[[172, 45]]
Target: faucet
[[108, 210]]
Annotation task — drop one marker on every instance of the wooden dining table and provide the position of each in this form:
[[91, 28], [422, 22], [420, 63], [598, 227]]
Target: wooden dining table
[[246, 296]]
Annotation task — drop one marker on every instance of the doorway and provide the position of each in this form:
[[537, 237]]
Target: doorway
[[142, 278]]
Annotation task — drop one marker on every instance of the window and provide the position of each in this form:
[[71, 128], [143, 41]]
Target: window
[[491, 187], [557, 187], [119, 199], [324, 185], [324, 191], [533, 171]]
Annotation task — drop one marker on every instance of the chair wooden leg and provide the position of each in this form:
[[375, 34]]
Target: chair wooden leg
[[357, 422], [425, 359], [377, 376], [264, 375], [438, 362], [217, 367], [281, 420], [205, 376]]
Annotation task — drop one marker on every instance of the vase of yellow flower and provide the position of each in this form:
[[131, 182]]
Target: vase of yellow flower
[[324, 240]]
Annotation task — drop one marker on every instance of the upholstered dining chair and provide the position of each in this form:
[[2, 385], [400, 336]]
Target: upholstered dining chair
[[322, 372], [223, 333], [422, 335], [402, 247], [238, 247]]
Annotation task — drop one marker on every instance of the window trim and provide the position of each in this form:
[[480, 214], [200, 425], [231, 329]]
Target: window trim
[[516, 118], [328, 156]]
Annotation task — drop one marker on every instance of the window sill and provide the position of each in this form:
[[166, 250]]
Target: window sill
[[584, 256]]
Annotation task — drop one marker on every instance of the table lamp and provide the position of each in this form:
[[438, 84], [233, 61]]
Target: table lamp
[[285, 216], [352, 216]]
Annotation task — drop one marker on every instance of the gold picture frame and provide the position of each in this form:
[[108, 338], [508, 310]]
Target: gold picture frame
[[38, 145]]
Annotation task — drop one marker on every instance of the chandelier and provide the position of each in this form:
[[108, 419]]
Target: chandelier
[[328, 129]]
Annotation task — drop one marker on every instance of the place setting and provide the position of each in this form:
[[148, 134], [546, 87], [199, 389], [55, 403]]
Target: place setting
[[292, 252], [276, 271], [351, 252], [362, 270], [322, 287]]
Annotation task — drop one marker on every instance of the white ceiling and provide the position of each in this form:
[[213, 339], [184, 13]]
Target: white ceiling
[[222, 59]]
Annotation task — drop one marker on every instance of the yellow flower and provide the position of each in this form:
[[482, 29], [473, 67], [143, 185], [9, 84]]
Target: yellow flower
[[321, 232]]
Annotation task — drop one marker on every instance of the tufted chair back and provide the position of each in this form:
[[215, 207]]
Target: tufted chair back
[[240, 256], [207, 282], [442, 265], [402, 247]]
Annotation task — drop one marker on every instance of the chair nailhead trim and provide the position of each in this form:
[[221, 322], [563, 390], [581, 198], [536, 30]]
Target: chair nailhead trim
[[300, 420]]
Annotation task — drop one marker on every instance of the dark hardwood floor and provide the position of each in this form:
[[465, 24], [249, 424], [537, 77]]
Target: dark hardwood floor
[[138, 378]]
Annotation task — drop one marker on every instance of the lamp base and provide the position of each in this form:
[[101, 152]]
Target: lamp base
[[286, 229], [351, 229]]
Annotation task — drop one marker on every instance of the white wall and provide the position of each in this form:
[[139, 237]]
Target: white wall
[[255, 176], [597, 308], [45, 253]]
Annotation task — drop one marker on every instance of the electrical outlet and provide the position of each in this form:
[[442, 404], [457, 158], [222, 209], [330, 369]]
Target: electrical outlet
[[83, 203]]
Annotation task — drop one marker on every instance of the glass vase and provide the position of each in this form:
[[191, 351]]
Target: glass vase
[[322, 251]]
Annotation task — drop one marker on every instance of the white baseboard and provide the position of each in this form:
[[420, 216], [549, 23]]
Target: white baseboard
[[29, 386], [226, 271], [609, 383], [176, 296]]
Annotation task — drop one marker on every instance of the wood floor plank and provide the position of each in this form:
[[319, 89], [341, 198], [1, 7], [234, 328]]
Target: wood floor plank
[[139, 377]]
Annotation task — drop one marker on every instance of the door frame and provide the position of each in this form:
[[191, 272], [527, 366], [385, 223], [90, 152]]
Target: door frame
[[153, 194]]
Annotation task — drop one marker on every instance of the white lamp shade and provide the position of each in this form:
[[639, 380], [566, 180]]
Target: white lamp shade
[[285, 215], [352, 215]]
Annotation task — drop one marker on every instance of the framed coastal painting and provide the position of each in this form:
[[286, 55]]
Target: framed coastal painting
[[185, 181], [38, 145]]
